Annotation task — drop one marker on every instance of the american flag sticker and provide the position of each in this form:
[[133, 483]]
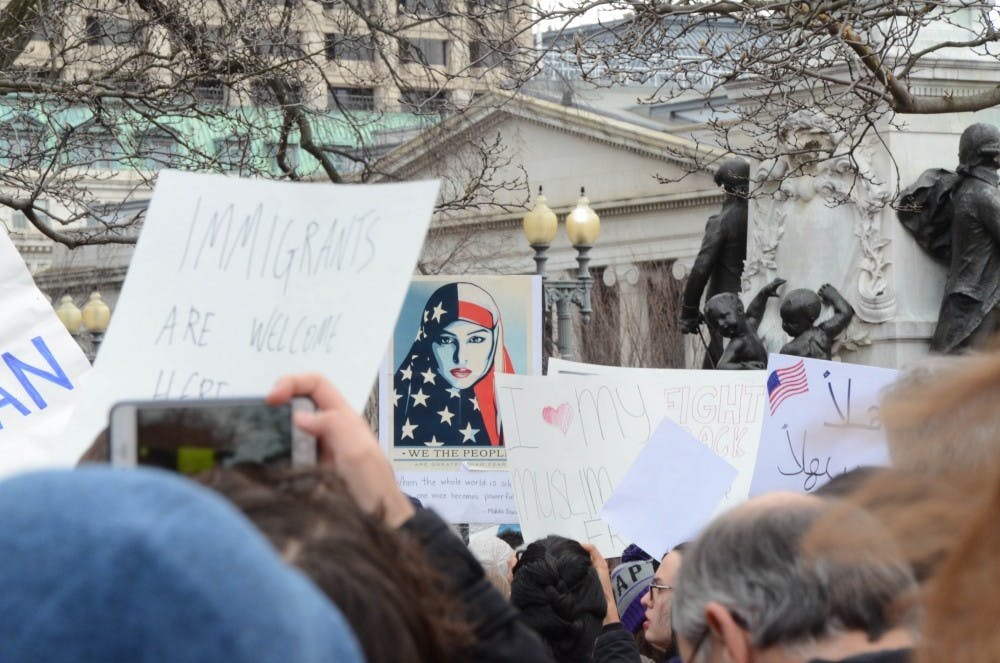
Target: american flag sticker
[[786, 382]]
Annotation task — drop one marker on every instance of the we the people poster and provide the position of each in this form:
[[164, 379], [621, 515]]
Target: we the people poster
[[438, 415]]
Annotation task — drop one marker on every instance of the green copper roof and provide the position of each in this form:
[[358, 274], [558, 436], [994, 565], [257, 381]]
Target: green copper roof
[[121, 129]]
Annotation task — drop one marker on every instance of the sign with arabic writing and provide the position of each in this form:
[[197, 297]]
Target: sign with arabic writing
[[821, 419]]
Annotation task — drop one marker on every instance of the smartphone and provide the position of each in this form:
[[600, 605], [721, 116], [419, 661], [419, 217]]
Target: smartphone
[[191, 436]]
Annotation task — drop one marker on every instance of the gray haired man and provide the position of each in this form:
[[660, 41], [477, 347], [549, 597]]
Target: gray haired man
[[765, 583]]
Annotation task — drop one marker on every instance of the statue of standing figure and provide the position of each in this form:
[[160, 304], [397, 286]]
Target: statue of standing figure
[[956, 218], [719, 264]]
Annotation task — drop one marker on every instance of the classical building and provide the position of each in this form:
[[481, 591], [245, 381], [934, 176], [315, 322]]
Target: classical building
[[646, 185], [365, 86], [837, 225]]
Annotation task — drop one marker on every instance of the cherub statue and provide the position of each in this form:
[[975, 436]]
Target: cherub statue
[[799, 311], [724, 313]]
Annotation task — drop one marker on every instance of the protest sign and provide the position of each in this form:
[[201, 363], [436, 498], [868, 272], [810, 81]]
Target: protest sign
[[466, 494], [821, 419], [437, 407], [572, 438], [722, 409], [42, 368], [236, 282], [672, 489]]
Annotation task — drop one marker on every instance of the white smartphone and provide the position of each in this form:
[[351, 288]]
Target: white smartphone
[[191, 436]]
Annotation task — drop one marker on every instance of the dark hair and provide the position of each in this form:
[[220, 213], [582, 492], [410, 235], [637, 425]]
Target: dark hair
[[375, 576], [557, 590], [512, 538], [99, 450]]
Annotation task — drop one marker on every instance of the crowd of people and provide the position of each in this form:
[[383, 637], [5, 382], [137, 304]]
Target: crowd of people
[[335, 563]]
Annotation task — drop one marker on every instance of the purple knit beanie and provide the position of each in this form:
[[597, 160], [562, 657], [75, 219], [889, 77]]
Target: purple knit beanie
[[629, 582]]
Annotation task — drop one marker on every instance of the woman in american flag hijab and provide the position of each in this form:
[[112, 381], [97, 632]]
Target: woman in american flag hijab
[[443, 390]]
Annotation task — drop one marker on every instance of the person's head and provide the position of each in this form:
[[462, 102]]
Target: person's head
[[847, 483], [962, 603], [461, 325], [724, 312], [511, 535], [799, 310], [755, 586], [496, 558], [657, 601], [946, 525], [372, 573], [733, 175], [629, 584], [979, 145], [559, 595], [942, 415], [115, 565]]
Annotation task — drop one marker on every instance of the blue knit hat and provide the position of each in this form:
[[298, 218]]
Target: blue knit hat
[[143, 565], [629, 581]]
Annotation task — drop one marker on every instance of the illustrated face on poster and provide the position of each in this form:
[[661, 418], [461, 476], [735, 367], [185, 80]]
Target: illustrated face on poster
[[452, 339]]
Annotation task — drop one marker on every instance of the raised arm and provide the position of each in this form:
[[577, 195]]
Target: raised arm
[[842, 311], [347, 446], [755, 311]]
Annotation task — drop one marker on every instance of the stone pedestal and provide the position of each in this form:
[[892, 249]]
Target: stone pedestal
[[831, 222]]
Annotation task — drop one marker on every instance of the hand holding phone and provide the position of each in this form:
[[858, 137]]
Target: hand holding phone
[[347, 445], [190, 436]]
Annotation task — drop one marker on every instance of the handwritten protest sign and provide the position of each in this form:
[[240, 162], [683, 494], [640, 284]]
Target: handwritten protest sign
[[41, 371], [670, 492], [235, 282], [822, 419], [571, 438], [722, 409]]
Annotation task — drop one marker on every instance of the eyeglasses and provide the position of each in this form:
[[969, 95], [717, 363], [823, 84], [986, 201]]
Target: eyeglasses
[[653, 586]]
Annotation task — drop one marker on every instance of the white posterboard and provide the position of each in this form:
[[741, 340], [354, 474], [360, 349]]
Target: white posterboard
[[670, 492], [41, 372], [822, 419], [571, 438], [235, 282]]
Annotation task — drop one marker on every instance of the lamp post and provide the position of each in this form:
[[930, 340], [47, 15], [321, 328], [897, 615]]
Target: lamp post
[[93, 320], [582, 226]]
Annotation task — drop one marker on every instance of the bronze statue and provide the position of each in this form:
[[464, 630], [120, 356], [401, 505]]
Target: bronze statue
[[719, 264], [956, 218], [799, 311], [725, 316], [972, 291]]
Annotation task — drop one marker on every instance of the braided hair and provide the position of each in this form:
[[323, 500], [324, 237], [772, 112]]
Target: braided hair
[[557, 590]]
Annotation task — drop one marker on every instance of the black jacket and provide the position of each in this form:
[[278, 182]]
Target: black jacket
[[500, 635], [615, 645]]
